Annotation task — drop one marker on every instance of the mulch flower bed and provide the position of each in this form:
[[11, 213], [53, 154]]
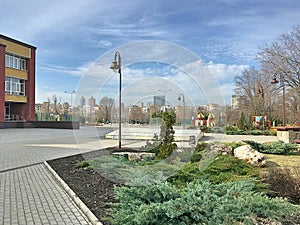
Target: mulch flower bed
[[94, 190]]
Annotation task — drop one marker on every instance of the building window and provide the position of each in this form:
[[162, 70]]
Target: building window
[[16, 62], [14, 86]]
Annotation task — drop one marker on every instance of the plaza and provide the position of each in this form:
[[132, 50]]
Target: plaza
[[30, 194]]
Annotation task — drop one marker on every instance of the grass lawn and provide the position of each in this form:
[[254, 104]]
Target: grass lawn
[[285, 160]]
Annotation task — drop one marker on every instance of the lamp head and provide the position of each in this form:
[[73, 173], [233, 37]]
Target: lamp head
[[114, 66], [274, 80], [179, 98]]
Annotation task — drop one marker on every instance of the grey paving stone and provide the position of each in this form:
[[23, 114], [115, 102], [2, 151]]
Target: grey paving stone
[[31, 194], [28, 193]]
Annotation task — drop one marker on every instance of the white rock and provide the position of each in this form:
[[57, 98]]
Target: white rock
[[221, 148], [247, 153], [136, 156]]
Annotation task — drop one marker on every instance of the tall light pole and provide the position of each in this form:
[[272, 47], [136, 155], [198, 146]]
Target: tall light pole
[[262, 93], [116, 67], [282, 84], [181, 97], [71, 93]]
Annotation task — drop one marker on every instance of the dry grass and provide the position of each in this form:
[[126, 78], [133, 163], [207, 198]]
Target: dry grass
[[287, 161]]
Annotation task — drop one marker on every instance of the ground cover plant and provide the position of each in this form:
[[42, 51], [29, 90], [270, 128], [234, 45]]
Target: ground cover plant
[[280, 147], [223, 168], [232, 130], [203, 187], [200, 202]]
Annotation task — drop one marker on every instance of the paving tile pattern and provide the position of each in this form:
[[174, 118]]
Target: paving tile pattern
[[31, 195]]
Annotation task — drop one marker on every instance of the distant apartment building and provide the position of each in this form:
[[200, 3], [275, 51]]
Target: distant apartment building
[[17, 80], [239, 101], [82, 101], [159, 100], [92, 102]]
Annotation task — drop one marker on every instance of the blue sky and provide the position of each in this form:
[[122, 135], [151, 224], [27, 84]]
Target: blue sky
[[74, 36]]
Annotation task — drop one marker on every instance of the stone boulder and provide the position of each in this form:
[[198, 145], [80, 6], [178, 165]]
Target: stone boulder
[[221, 148], [136, 156], [247, 153]]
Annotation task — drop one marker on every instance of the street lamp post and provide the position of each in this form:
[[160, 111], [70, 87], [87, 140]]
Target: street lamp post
[[282, 80], [181, 96], [116, 67], [71, 93]]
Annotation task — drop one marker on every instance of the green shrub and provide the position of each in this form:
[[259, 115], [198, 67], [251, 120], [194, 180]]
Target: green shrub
[[205, 129], [228, 168], [197, 156], [167, 146], [283, 148], [192, 127], [82, 164], [273, 132], [201, 146], [217, 130], [199, 203], [233, 145], [279, 148], [256, 132], [230, 130], [224, 168], [151, 147], [185, 175], [241, 132]]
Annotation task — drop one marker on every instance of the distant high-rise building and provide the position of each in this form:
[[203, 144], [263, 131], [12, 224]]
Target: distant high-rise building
[[82, 101], [140, 104], [92, 102], [239, 101], [159, 100]]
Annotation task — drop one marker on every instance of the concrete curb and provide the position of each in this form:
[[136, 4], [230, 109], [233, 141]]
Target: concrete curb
[[92, 218]]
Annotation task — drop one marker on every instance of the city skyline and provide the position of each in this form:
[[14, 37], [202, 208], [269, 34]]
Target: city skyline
[[225, 36]]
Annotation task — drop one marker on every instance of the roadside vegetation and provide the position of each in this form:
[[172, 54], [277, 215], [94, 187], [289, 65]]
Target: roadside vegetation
[[201, 186], [214, 189]]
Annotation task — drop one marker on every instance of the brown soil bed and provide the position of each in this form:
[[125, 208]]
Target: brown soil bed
[[93, 189]]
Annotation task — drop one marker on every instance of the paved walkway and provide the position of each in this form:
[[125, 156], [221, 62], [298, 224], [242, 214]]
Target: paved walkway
[[29, 194]]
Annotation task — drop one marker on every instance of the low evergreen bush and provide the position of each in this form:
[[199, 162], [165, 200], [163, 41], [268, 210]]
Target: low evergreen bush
[[279, 148], [82, 164], [233, 145], [228, 168], [199, 202], [196, 157], [224, 168]]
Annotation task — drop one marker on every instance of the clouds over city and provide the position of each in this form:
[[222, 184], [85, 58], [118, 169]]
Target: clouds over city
[[72, 35]]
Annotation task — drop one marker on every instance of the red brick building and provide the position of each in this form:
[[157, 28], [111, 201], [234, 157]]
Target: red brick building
[[17, 80]]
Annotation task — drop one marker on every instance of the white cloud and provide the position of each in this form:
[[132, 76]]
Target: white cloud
[[80, 71], [86, 28], [182, 72], [103, 44]]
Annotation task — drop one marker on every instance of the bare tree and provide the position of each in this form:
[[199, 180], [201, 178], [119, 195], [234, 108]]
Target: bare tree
[[254, 84], [282, 58], [136, 115], [107, 103]]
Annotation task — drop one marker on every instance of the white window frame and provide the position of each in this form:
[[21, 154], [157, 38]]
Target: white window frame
[[16, 62], [14, 86]]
